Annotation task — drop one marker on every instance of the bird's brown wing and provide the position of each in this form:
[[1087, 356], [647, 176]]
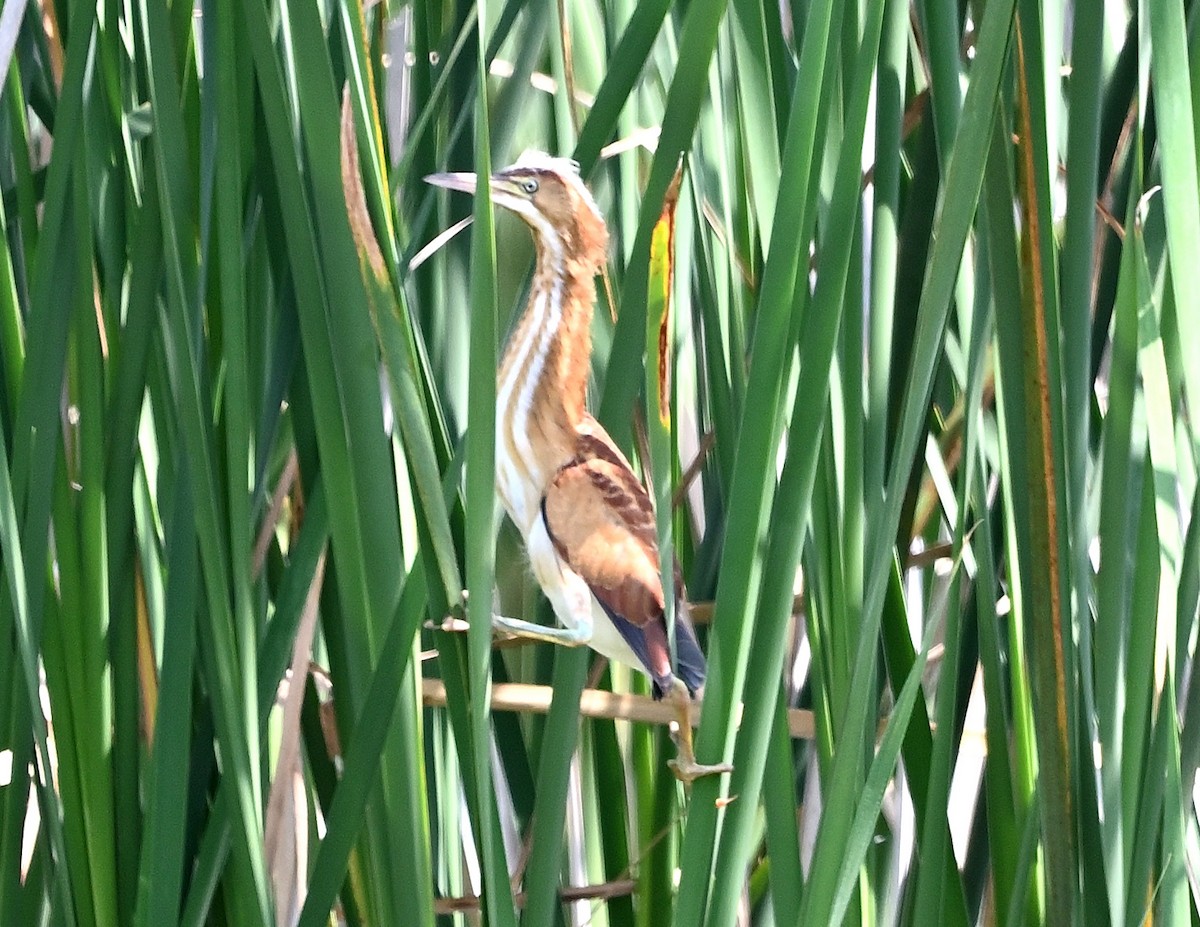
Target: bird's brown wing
[[601, 522], [593, 441]]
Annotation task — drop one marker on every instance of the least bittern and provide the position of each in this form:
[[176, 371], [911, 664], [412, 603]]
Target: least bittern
[[587, 521]]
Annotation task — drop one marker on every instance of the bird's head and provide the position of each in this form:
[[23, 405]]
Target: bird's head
[[550, 196]]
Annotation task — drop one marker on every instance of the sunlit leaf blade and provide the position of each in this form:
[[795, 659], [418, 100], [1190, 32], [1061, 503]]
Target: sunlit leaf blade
[[910, 367], [660, 344], [1048, 614]]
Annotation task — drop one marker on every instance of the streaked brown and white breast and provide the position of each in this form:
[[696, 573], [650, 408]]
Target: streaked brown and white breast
[[542, 384]]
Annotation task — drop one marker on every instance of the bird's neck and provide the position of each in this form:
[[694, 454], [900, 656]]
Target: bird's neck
[[542, 386]]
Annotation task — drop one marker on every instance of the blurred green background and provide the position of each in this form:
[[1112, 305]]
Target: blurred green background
[[936, 428]]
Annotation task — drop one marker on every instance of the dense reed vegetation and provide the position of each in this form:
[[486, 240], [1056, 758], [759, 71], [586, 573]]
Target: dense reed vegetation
[[934, 449]]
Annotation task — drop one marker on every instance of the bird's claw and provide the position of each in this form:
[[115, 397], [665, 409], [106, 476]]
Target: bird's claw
[[685, 767], [452, 624], [687, 770]]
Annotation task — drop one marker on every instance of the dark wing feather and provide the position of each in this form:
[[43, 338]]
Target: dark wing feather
[[601, 522], [690, 665]]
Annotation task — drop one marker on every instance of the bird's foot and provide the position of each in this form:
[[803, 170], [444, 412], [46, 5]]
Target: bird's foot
[[687, 770], [452, 624], [685, 766]]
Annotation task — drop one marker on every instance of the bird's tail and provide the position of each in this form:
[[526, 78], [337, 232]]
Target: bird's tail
[[690, 665]]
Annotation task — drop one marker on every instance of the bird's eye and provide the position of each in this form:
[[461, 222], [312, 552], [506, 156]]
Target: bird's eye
[[529, 185]]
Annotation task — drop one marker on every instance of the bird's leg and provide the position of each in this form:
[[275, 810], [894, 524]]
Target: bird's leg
[[577, 636], [572, 605], [684, 766], [515, 628]]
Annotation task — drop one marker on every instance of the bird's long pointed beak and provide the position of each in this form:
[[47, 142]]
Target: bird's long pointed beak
[[466, 182]]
